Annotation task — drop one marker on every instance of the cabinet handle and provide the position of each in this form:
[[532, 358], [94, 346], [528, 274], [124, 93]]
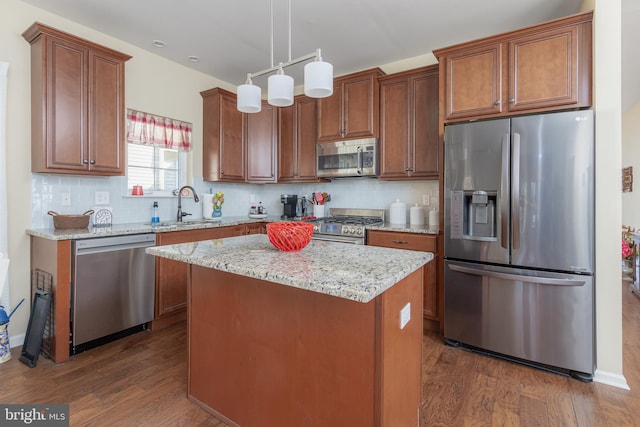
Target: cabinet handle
[[512, 100], [400, 242], [497, 102], [93, 162], [85, 162]]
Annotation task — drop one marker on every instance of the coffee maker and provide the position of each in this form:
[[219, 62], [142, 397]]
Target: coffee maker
[[289, 204]]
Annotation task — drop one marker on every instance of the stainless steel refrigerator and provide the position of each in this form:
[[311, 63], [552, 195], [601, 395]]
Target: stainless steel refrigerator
[[519, 239]]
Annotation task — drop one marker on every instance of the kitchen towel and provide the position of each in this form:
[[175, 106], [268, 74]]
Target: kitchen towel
[[207, 205]]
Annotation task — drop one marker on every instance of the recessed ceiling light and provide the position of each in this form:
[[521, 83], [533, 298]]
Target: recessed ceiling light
[[194, 58], [159, 43]]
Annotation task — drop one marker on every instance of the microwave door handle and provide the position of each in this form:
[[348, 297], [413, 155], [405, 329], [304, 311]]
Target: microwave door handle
[[360, 160]]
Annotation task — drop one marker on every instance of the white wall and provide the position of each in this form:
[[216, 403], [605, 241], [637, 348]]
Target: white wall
[[631, 157]]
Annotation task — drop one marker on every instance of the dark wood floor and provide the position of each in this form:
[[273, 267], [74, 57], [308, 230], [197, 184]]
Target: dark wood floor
[[141, 381]]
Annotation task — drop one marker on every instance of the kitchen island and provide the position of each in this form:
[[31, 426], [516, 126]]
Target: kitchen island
[[331, 335]]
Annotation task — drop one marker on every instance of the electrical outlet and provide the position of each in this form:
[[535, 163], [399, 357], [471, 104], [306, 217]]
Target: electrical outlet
[[405, 315], [66, 199], [102, 197], [426, 199]]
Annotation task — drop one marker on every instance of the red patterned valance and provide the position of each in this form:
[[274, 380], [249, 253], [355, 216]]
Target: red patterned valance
[[149, 129]]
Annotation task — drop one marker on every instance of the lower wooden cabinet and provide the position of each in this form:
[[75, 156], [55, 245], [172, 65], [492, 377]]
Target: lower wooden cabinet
[[417, 242], [171, 276]]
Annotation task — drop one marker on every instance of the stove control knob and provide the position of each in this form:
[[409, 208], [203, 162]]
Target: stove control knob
[[359, 231]]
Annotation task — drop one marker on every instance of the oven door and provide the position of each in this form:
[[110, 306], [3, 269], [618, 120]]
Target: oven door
[[358, 157], [342, 239]]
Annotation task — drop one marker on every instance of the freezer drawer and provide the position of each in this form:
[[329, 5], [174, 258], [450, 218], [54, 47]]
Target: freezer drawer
[[546, 318]]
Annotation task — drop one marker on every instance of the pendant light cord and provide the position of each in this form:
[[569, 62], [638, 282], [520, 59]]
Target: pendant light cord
[[289, 60]]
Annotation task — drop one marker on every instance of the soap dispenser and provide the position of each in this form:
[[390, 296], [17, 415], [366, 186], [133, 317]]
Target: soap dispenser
[[155, 216]]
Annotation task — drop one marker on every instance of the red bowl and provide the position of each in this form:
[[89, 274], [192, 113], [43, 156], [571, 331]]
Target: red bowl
[[289, 236]]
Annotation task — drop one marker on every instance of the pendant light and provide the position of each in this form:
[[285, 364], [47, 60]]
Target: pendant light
[[318, 79]]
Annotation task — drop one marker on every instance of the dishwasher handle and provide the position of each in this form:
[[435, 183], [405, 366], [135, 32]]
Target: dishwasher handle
[[112, 248], [114, 243]]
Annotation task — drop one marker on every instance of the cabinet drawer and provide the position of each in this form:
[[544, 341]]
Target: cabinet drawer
[[410, 241]]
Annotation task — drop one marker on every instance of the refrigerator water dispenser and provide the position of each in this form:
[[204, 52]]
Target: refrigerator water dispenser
[[473, 215]]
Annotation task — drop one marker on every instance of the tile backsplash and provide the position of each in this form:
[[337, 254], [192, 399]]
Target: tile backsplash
[[48, 192]]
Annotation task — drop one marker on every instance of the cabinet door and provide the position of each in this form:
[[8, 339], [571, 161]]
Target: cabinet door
[[423, 152], [171, 276], [360, 107], [261, 144], [106, 121], [330, 122], [66, 98], [473, 82], [297, 141], [416, 242], [394, 127], [232, 147], [543, 70]]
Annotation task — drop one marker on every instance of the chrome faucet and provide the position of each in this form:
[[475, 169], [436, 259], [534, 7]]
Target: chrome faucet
[[195, 198]]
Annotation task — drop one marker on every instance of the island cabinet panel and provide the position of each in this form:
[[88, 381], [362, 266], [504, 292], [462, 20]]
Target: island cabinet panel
[[261, 353], [297, 141], [352, 111], [409, 112], [77, 100], [540, 68], [171, 276], [433, 290]]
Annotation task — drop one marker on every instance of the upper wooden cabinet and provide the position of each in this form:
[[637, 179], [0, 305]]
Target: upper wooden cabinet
[[262, 134], [223, 149], [77, 104], [409, 124], [352, 111], [236, 146], [539, 68], [297, 141]]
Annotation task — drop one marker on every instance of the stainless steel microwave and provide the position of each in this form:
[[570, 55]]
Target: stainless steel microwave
[[357, 157]]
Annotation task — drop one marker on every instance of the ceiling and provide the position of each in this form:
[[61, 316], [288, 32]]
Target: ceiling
[[232, 37]]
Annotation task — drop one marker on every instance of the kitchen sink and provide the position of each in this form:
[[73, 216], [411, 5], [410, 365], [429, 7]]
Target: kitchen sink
[[175, 224]]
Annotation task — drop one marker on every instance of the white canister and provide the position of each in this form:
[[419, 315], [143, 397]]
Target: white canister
[[318, 211], [398, 213], [433, 219], [416, 215]]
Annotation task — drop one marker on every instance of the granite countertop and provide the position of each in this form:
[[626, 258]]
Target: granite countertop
[[168, 226], [355, 272]]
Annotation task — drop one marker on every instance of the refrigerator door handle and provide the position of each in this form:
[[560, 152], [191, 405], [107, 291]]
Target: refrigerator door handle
[[518, 277], [504, 206], [515, 191]]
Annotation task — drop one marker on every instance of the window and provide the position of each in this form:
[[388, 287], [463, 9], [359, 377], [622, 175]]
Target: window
[[156, 169], [156, 152]]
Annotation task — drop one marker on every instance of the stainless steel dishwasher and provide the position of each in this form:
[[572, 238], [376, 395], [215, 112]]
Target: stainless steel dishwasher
[[113, 288]]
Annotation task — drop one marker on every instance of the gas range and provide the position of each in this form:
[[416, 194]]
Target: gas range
[[346, 225]]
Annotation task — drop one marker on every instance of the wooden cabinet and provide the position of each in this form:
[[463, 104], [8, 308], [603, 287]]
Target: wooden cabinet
[[171, 276], [540, 68], [417, 242], [77, 104], [297, 141], [236, 146], [409, 124], [262, 144], [223, 148], [352, 111]]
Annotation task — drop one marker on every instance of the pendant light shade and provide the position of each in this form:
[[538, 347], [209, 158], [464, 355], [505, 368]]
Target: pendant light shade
[[280, 90], [249, 98], [318, 79]]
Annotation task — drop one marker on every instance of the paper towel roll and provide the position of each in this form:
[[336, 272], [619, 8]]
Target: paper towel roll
[[416, 215], [207, 205]]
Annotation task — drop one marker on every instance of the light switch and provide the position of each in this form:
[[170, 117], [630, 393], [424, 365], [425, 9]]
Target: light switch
[[405, 315], [66, 199]]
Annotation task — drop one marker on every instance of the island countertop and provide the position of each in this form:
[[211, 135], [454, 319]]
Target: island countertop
[[355, 272]]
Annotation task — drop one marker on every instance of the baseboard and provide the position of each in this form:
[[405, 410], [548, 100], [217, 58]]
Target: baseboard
[[16, 340], [609, 378]]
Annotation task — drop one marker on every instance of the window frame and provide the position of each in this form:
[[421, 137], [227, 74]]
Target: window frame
[[181, 178]]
